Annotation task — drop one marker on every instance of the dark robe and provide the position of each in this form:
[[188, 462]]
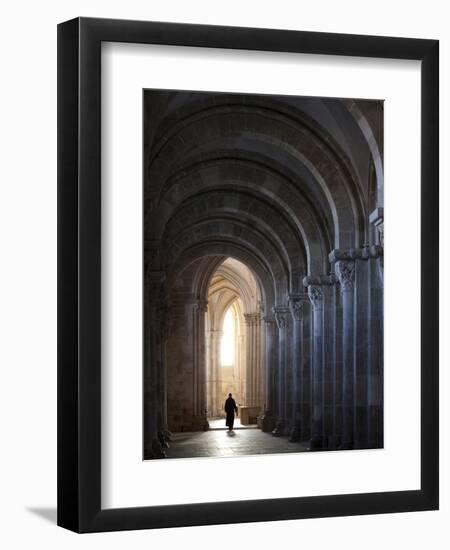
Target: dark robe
[[230, 409]]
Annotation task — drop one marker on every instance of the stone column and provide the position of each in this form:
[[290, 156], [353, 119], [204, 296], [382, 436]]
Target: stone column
[[199, 420], [258, 361], [268, 418], [214, 364], [317, 427], [296, 302], [375, 364], [253, 356], [166, 325], [362, 343], [281, 318], [345, 271], [321, 292], [242, 352], [152, 366]]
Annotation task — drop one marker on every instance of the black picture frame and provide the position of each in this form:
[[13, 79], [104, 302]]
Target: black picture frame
[[79, 274]]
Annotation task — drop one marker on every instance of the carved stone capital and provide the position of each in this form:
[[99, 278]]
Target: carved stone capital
[[269, 319], [352, 254], [281, 318], [252, 319], [345, 270], [320, 280], [296, 302], [315, 296], [201, 306]]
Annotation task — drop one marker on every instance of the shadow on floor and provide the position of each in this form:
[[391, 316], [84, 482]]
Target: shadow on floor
[[46, 513]]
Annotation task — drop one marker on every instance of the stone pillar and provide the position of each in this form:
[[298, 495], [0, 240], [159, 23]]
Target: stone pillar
[[358, 271], [253, 357], [268, 418], [321, 292], [199, 420], [214, 365], [317, 426], [375, 364], [242, 352], [362, 339], [332, 365], [307, 373], [281, 318], [345, 271], [258, 361], [296, 302], [152, 366], [164, 434]]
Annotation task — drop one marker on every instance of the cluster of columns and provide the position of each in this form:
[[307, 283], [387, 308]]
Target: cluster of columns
[[324, 354], [287, 357]]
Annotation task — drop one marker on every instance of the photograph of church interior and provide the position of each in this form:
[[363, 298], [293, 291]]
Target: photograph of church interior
[[263, 274]]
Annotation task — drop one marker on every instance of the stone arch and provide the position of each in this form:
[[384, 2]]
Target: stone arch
[[228, 209], [233, 286], [278, 133], [373, 144], [248, 180], [221, 249]]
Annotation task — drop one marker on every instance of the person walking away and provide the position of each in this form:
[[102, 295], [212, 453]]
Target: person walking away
[[230, 409]]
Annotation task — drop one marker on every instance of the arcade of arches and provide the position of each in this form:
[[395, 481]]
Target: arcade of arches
[[263, 258]]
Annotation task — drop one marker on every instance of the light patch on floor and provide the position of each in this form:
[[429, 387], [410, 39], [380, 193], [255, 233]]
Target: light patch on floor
[[221, 443]]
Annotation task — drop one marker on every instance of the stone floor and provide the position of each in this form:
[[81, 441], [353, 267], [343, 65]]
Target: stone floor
[[219, 424], [221, 443]]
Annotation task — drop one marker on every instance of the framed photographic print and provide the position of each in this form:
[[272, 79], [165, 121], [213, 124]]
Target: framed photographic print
[[248, 275]]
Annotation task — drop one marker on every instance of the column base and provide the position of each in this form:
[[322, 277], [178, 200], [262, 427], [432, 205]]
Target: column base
[[266, 422], [163, 440], [199, 424], [278, 431], [319, 443], [295, 434], [375, 444], [346, 446], [155, 450]]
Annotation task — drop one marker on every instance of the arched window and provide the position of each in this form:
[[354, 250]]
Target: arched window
[[227, 344]]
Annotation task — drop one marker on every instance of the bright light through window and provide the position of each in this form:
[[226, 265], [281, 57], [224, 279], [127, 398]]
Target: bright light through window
[[228, 339]]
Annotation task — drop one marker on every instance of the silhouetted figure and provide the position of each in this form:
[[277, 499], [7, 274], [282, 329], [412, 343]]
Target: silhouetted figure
[[230, 409]]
